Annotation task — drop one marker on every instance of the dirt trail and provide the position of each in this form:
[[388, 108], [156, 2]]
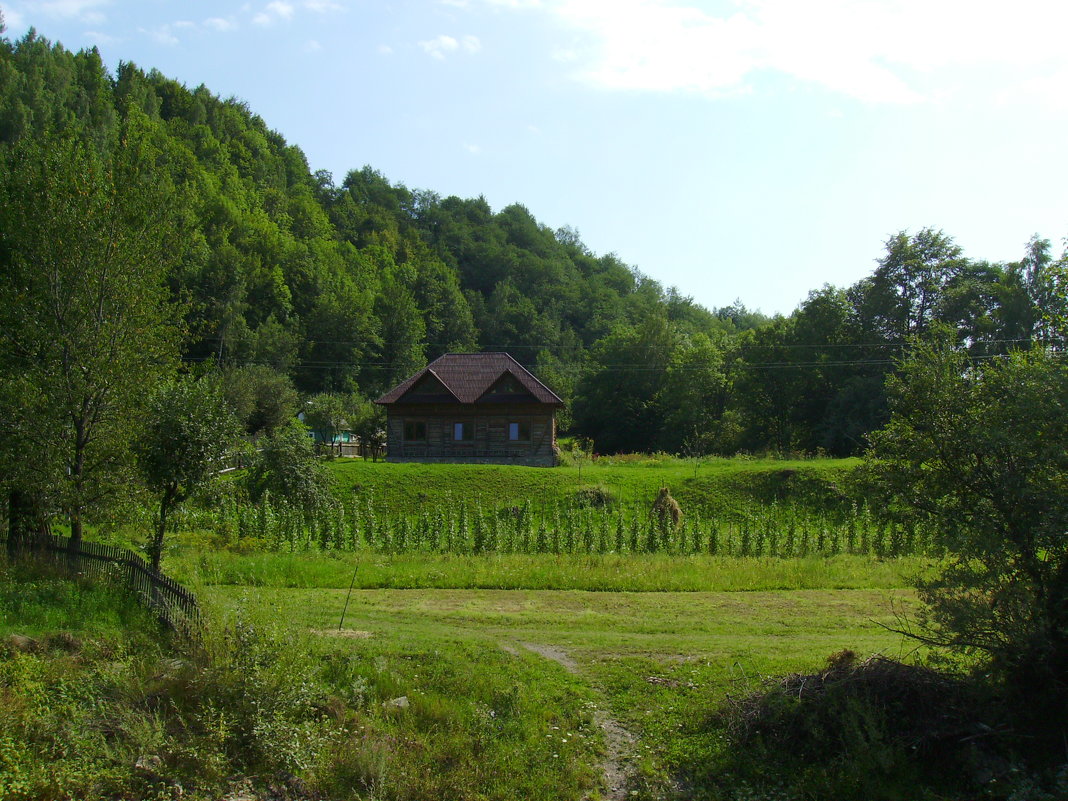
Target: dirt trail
[[619, 742]]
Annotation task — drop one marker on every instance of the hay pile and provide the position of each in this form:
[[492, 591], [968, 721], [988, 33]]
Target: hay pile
[[666, 510]]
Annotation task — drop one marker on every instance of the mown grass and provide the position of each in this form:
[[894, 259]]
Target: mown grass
[[656, 662]]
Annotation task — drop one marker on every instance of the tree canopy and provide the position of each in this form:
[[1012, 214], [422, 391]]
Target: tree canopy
[[978, 450]]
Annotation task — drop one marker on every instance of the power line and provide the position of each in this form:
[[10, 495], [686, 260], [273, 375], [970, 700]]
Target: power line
[[621, 367]]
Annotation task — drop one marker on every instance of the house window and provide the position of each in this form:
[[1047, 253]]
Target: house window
[[463, 432], [414, 431], [519, 432]]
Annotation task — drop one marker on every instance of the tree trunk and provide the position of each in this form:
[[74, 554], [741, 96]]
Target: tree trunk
[[156, 550]]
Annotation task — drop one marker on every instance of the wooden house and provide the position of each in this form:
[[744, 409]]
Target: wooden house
[[472, 407]]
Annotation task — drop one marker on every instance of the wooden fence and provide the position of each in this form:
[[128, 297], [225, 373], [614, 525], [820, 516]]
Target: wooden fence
[[174, 604]]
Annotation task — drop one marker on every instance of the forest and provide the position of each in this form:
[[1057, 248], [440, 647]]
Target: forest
[[292, 284]]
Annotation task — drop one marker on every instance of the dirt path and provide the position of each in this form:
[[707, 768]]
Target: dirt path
[[619, 743]]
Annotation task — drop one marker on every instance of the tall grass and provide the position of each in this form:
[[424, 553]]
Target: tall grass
[[494, 571]]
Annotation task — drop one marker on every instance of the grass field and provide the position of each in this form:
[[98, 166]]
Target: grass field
[[423, 693], [653, 665], [551, 666]]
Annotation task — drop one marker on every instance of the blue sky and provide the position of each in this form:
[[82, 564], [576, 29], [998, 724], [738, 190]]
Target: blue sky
[[751, 149]]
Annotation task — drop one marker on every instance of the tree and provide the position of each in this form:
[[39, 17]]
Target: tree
[[85, 322], [287, 469], [905, 294], [262, 398], [615, 402], [978, 453], [693, 400], [189, 432], [368, 421], [327, 415]]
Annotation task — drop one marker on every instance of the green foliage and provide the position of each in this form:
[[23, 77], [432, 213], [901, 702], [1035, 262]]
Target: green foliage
[[287, 470], [262, 398], [877, 729], [39, 603], [979, 453], [188, 433], [327, 415], [86, 243], [786, 514]]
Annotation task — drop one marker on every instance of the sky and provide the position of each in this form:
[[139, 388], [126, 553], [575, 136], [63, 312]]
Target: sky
[[749, 150]]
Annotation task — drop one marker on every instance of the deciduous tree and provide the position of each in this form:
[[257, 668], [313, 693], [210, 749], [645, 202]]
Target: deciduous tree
[[978, 451], [85, 322], [189, 431]]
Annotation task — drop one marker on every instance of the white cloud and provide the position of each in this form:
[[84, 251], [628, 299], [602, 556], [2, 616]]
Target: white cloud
[[219, 24], [274, 11], [385, 50], [100, 38], [313, 46], [474, 150], [322, 6], [880, 51], [519, 3], [84, 10], [443, 45], [167, 35], [162, 35], [1045, 89], [439, 46], [281, 9]]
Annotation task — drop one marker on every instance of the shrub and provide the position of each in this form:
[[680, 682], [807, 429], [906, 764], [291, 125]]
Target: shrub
[[874, 729]]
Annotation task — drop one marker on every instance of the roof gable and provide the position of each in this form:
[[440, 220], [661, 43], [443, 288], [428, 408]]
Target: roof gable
[[468, 377], [428, 388], [507, 389]]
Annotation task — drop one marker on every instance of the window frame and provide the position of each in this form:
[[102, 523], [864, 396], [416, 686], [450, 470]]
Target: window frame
[[519, 426], [415, 426]]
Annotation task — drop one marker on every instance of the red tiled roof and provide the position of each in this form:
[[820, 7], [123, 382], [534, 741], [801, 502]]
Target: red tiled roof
[[469, 375]]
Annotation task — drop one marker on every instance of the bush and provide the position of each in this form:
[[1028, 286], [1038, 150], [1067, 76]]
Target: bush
[[876, 729]]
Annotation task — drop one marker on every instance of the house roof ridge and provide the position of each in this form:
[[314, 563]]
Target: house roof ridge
[[470, 375]]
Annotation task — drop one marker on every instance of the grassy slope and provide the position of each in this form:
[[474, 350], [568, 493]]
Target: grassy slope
[[100, 706], [721, 485]]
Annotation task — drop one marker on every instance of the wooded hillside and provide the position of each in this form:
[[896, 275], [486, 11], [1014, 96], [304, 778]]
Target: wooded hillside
[[352, 285]]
